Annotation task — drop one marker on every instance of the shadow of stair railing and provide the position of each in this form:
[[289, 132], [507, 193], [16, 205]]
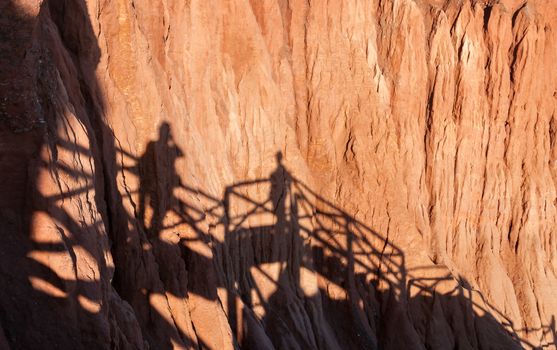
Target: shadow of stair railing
[[328, 272]]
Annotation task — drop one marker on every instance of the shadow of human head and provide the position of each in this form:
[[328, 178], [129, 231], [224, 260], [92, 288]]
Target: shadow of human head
[[164, 131], [278, 157], [168, 147]]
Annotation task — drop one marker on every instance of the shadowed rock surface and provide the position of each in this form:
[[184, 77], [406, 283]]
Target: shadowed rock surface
[[278, 174]]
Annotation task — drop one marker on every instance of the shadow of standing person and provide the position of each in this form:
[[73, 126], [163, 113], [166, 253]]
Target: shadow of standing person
[[285, 320], [159, 212], [158, 178], [280, 190]]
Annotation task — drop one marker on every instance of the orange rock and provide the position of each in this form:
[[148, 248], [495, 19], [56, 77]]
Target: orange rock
[[278, 174]]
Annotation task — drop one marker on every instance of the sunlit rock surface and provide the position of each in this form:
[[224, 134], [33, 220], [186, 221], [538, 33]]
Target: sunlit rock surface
[[278, 174]]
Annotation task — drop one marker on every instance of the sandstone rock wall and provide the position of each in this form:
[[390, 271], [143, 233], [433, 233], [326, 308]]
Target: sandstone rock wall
[[278, 174]]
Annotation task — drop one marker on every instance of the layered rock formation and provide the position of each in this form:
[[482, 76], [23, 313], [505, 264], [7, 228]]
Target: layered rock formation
[[278, 174]]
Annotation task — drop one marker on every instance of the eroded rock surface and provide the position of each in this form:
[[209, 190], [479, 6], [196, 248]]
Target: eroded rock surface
[[278, 174]]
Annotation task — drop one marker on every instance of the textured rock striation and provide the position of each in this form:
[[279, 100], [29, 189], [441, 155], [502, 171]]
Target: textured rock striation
[[278, 174]]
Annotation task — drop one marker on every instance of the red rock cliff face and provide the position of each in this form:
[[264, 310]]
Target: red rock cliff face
[[278, 174]]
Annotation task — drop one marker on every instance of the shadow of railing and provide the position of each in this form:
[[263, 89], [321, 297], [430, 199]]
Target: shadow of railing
[[299, 230], [486, 315], [313, 235]]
